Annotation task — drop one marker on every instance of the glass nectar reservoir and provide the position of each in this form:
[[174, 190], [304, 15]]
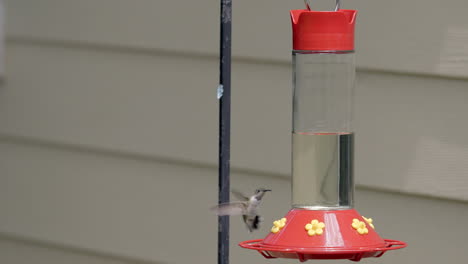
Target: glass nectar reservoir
[[322, 135]]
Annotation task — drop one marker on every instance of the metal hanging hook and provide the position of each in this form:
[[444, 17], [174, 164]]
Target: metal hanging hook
[[307, 4], [337, 6]]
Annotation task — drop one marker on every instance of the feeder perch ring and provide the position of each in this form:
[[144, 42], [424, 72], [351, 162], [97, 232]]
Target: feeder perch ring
[[303, 254]]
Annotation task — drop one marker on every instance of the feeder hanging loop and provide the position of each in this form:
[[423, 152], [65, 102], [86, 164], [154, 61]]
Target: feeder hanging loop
[[337, 5]]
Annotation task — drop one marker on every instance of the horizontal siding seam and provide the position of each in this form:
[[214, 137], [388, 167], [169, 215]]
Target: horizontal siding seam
[[35, 142], [107, 47], [8, 236]]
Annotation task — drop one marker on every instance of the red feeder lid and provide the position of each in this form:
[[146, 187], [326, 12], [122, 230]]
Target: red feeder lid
[[323, 30]]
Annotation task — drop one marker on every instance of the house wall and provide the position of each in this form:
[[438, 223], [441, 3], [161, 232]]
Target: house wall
[[108, 111]]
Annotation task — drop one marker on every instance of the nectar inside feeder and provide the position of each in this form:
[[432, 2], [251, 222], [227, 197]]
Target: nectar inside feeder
[[323, 223]]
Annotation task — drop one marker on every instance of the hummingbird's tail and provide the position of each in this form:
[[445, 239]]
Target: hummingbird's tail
[[257, 221]]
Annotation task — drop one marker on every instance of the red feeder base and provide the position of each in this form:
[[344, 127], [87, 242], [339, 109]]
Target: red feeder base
[[337, 239]]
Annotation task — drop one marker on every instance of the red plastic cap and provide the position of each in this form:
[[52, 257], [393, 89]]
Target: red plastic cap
[[323, 30]]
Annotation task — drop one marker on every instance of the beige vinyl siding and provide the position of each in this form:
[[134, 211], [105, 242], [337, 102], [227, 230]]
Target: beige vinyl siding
[[118, 206], [409, 129], [426, 37], [109, 110]]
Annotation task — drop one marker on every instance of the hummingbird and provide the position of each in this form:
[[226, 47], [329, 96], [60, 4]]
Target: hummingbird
[[247, 207]]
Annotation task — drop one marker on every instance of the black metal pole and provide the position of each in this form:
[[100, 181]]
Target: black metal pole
[[224, 94]]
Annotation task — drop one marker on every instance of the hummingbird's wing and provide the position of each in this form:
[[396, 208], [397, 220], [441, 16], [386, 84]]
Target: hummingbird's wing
[[235, 208], [240, 196]]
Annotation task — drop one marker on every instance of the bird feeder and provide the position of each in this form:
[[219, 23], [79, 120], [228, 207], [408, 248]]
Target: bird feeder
[[323, 223]]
